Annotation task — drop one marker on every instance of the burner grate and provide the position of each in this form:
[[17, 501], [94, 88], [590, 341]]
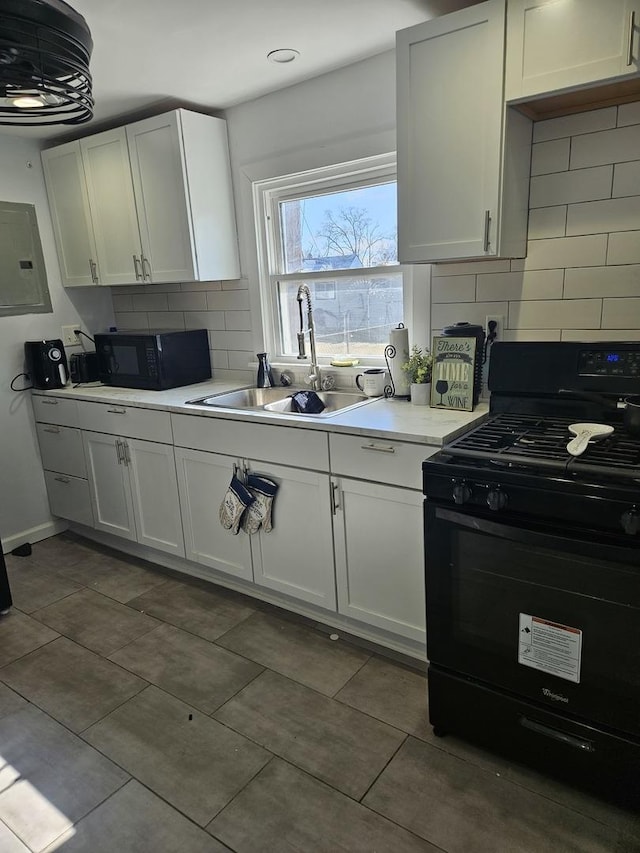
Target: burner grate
[[542, 442]]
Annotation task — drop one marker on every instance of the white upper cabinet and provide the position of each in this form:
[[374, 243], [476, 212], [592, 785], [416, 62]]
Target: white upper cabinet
[[70, 214], [563, 44], [150, 202], [463, 163]]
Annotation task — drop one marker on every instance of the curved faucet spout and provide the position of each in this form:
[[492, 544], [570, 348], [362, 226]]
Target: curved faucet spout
[[304, 294]]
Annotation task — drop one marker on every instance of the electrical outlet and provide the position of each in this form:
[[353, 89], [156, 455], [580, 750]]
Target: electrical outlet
[[498, 331], [69, 337]]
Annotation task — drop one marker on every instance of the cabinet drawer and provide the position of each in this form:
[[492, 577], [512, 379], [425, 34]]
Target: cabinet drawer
[[69, 497], [126, 421], [301, 448], [379, 459], [55, 410], [61, 449]]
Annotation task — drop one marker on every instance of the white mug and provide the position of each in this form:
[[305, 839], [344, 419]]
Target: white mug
[[372, 382]]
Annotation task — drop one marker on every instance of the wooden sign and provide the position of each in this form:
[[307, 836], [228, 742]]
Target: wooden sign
[[453, 372]]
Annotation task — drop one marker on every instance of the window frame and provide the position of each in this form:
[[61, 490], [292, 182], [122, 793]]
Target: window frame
[[269, 193]]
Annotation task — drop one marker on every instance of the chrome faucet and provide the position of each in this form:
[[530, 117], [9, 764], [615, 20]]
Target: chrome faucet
[[313, 378]]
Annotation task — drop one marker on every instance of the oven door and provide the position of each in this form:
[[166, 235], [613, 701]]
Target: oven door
[[537, 613]]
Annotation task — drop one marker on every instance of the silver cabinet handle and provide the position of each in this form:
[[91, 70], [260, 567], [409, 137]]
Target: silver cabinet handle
[[65, 480], [632, 26], [137, 268], [94, 271], [487, 223], [126, 458], [379, 448], [51, 429], [146, 268], [119, 451], [334, 495], [117, 411], [47, 402]]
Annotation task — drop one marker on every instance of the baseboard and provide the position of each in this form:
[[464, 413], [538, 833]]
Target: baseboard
[[34, 534]]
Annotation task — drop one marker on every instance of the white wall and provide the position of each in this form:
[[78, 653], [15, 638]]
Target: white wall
[[24, 510], [581, 277], [340, 116]]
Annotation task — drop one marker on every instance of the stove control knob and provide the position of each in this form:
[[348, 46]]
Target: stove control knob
[[630, 521], [496, 499], [461, 493]]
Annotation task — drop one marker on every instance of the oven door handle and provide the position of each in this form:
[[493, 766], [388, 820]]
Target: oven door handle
[[556, 734]]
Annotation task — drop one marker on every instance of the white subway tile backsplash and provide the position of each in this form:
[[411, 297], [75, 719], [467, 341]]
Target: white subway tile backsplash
[[240, 360], [570, 187], [550, 156], [471, 312], [122, 302], [624, 248], [608, 146], [602, 281], [621, 313], [598, 217], [547, 222], [469, 267], [187, 302], [240, 377], [629, 114], [132, 320], [150, 302], [204, 320], [531, 335], [232, 340], [219, 359], [454, 288], [228, 300], [509, 286], [572, 125], [235, 284], [566, 252], [600, 335], [556, 314], [626, 178], [237, 321], [166, 319], [193, 286]]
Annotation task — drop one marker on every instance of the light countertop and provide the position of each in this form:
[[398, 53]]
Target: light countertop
[[380, 418]]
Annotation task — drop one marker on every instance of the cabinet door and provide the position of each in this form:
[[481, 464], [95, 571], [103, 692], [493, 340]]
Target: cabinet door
[[296, 557], [379, 557], [203, 480], [559, 44], [154, 487], [159, 180], [450, 114], [106, 164], [70, 215], [109, 484]]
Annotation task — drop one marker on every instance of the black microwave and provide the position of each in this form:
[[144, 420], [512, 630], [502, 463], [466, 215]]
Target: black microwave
[[153, 359]]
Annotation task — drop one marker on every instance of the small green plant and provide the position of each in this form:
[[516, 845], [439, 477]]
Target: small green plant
[[419, 366]]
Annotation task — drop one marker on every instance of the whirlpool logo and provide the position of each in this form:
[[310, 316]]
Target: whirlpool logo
[[557, 697]]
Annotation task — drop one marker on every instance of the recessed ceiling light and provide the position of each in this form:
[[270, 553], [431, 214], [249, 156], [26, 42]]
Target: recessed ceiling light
[[283, 55]]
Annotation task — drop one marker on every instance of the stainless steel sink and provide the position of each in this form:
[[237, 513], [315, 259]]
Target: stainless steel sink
[[278, 400]]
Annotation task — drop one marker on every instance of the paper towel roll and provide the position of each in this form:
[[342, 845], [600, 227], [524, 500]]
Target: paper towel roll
[[398, 354]]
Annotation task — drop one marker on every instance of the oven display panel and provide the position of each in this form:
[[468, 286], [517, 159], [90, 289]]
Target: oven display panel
[[550, 647], [610, 362]]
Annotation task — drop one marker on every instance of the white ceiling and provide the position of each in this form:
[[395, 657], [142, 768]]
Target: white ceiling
[[212, 53]]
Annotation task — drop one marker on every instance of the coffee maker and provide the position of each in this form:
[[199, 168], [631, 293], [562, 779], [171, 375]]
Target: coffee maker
[[46, 363]]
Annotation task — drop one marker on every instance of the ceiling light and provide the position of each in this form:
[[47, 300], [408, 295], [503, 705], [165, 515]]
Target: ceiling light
[[45, 47], [283, 55]]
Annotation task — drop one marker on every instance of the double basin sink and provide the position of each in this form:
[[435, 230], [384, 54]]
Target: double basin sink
[[279, 400]]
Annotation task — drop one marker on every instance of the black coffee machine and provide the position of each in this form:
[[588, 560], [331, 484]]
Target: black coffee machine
[[46, 363]]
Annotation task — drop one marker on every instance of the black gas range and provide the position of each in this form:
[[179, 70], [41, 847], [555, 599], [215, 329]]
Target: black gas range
[[533, 569]]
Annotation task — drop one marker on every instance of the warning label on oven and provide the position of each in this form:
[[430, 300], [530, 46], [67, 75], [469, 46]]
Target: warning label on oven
[[550, 647]]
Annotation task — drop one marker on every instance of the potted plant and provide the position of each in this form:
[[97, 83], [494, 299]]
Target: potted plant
[[418, 370]]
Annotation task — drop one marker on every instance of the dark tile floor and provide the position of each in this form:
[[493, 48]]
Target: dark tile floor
[[140, 712]]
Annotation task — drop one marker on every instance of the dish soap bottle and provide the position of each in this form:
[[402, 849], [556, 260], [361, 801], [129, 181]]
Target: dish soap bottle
[[265, 374]]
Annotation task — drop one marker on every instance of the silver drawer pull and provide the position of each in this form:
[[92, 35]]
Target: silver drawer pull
[[62, 479], [51, 429], [379, 448], [632, 25], [49, 402], [117, 411]]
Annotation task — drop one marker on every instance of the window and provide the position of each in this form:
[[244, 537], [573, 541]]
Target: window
[[335, 230]]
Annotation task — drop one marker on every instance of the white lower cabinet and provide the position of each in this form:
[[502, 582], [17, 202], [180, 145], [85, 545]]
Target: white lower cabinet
[[134, 492], [379, 556], [65, 471], [295, 557]]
